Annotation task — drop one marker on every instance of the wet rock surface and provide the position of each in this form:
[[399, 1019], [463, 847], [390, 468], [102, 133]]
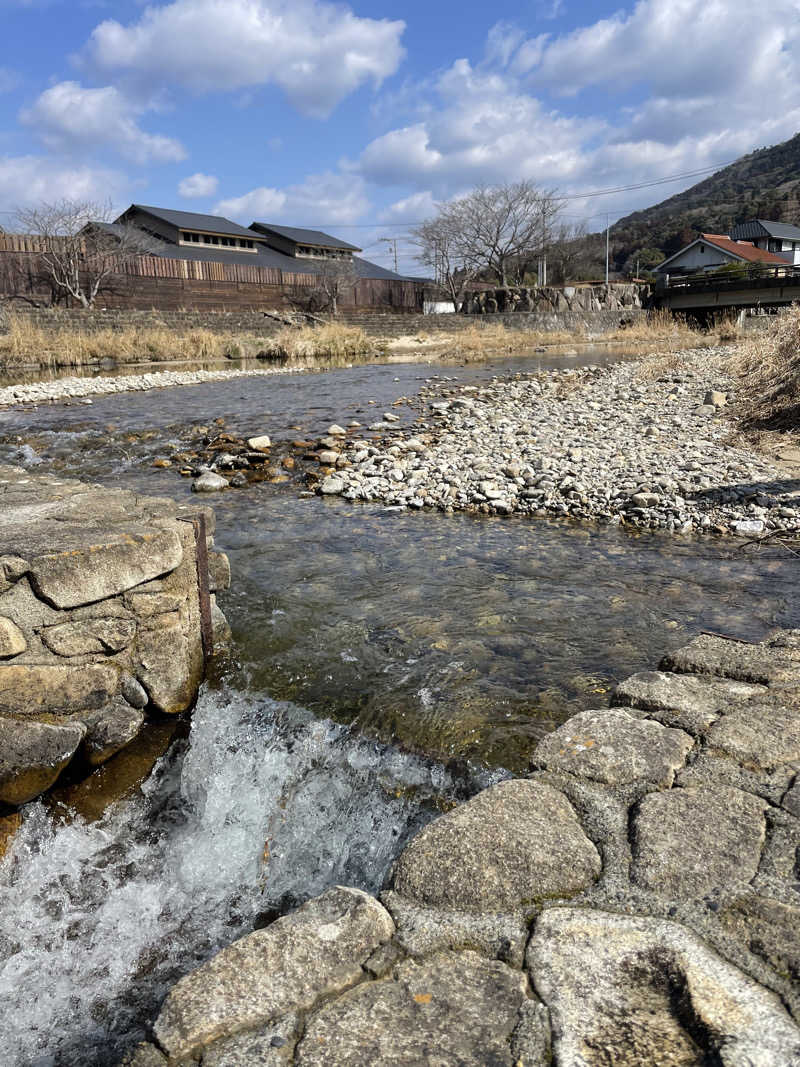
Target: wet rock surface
[[99, 622], [679, 946]]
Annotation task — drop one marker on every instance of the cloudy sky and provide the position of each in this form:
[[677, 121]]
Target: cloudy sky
[[358, 117]]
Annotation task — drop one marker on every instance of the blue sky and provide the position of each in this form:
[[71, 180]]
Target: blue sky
[[358, 117]]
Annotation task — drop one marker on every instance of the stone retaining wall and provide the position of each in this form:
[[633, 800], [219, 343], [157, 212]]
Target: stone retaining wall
[[376, 324], [102, 621], [633, 901]]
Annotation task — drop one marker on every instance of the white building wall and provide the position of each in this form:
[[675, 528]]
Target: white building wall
[[698, 257]]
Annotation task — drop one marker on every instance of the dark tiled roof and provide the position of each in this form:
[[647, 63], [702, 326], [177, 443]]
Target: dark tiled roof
[[191, 220], [303, 237], [755, 228], [266, 257]]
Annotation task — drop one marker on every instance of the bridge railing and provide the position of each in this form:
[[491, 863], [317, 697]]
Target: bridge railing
[[754, 275]]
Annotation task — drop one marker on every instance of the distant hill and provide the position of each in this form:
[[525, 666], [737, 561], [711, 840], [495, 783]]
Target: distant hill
[[764, 184]]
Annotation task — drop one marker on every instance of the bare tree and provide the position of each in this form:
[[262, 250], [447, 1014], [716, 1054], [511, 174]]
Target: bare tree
[[499, 230], [332, 280], [81, 248]]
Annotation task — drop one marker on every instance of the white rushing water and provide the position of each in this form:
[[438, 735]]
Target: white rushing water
[[265, 808]]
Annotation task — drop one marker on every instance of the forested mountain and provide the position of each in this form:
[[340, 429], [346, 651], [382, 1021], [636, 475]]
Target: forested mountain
[[764, 184]]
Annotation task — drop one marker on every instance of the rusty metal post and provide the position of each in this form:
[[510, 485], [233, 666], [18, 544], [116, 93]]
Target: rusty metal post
[[203, 592]]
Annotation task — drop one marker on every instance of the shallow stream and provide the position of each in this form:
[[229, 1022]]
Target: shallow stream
[[385, 664]]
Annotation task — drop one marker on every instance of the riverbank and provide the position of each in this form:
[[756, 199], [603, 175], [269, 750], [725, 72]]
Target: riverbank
[[107, 617], [632, 900], [646, 444]]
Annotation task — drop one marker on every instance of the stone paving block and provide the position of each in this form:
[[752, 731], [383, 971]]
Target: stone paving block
[[769, 928], [759, 736], [743, 662], [688, 702], [510, 846], [614, 748], [629, 991], [311, 953], [452, 1009], [687, 842]]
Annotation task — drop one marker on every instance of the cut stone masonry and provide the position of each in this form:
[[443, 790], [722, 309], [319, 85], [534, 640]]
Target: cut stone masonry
[[633, 901], [99, 622]]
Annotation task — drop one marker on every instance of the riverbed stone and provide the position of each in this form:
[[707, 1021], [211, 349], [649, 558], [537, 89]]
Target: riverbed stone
[[630, 991], [759, 736], [209, 482], [12, 639], [708, 654], [219, 572], [686, 701], [260, 444], [36, 689], [688, 842], [144, 1055], [450, 1009], [332, 485], [505, 849], [614, 748], [105, 566], [313, 952], [32, 755], [110, 729], [95, 636], [133, 692]]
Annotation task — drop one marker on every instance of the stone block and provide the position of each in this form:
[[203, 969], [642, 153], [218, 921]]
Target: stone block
[[743, 662], [32, 755], [93, 637], [686, 701], [169, 661], [503, 851], [105, 566], [313, 952], [759, 736], [12, 639], [32, 689], [614, 748], [451, 1009], [631, 991], [688, 842], [110, 729]]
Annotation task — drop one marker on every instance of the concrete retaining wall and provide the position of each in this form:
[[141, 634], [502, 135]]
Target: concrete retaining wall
[[107, 613]]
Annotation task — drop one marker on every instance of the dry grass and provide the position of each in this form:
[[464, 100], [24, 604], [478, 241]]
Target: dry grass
[[26, 343], [662, 327], [331, 344], [767, 366], [495, 336]]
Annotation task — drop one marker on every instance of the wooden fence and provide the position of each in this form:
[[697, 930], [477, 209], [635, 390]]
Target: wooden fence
[[136, 284]]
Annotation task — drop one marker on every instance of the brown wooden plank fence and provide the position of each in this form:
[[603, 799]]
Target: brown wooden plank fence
[[18, 254]]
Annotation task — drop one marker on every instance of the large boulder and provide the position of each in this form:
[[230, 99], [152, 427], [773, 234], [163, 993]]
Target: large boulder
[[630, 991], [312, 953], [506, 849], [36, 689]]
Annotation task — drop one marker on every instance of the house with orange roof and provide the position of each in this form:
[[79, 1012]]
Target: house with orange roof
[[710, 251]]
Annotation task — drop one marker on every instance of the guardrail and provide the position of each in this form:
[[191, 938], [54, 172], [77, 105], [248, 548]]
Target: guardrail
[[755, 277]]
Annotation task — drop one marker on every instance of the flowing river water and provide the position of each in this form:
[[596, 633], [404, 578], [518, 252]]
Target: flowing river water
[[386, 664]]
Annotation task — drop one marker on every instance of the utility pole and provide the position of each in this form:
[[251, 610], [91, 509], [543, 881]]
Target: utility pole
[[393, 242], [607, 229]]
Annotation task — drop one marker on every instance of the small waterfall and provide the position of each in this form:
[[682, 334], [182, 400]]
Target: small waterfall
[[262, 808]]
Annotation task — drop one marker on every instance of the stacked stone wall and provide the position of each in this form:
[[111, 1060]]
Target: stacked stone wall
[[105, 617]]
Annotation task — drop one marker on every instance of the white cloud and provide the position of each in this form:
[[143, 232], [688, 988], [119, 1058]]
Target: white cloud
[[670, 86], [316, 52], [198, 185], [324, 199], [70, 118], [31, 180], [410, 209]]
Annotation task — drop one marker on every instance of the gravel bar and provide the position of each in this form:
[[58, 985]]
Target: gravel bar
[[74, 387], [617, 445]]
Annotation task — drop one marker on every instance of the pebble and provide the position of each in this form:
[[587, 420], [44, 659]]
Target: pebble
[[608, 444]]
